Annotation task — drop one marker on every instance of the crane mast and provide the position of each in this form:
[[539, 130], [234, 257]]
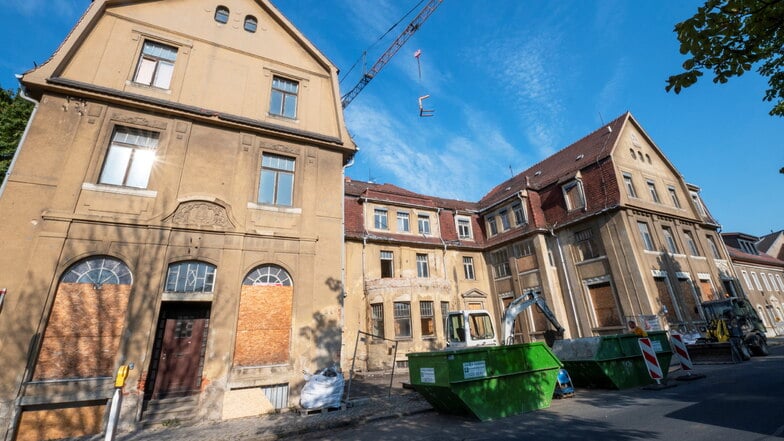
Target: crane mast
[[412, 27]]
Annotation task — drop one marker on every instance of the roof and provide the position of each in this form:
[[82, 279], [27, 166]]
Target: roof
[[761, 259]]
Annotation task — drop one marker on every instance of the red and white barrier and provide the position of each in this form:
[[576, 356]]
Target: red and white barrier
[[649, 354], [679, 347]]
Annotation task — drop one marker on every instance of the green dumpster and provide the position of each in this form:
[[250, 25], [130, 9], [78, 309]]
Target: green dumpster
[[612, 361], [486, 382]]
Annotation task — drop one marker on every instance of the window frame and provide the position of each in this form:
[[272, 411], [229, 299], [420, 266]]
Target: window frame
[[423, 266], [402, 317], [500, 259], [669, 240], [519, 214], [504, 216], [403, 222], [647, 239], [756, 281], [652, 191], [158, 60], [114, 159], [464, 224], [277, 172], [674, 196], [222, 14], [380, 219], [714, 247], [492, 225], [281, 94], [427, 317], [387, 260], [251, 24], [691, 244], [377, 320], [566, 190], [468, 268], [746, 278], [629, 183], [190, 284], [423, 224]]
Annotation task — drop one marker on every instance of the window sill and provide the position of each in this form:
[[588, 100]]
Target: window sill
[[283, 118], [255, 206], [120, 190], [187, 297], [656, 253], [143, 86]]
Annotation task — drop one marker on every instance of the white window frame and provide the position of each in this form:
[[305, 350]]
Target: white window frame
[[423, 224], [756, 281], [764, 278], [714, 248], [773, 282], [647, 239], [464, 223], [403, 222], [520, 215], [468, 268], [155, 67], [691, 243], [380, 219], [130, 158], [629, 182], [746, 279], [387, 256], [284, 97], [669, 240], [781, 282], [276, 180], [674, 196], [652, 191], [566, 188], [423, 266]]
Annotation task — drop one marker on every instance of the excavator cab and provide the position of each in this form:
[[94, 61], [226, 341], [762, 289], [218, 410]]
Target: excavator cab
[[470, 328]]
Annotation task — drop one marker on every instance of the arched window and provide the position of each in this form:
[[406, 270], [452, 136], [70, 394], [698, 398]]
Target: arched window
[[268, 275], [222, 14], [251, 23], [99, 270], [191, 276]]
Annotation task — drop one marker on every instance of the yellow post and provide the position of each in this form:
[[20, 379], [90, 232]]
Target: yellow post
[[114, 411]]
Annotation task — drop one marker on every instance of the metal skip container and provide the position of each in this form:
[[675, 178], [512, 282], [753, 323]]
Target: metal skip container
[[611, 361], [487, 382]]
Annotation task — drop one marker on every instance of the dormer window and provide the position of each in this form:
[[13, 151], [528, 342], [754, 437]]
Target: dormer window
[[573, 195], [463, 228], [222, 14]]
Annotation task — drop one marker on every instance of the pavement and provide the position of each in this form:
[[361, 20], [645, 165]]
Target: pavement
[[371, 399]]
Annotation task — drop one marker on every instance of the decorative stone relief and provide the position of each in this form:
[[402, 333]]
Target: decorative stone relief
[[202, 214], [281, 148], [139, 121]]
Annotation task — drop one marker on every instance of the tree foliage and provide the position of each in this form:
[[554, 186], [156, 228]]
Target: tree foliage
[[731, 37], [14, 113]]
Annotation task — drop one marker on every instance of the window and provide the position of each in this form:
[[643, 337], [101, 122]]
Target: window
[[99, 271], [222, 14], [380, 219], [423, 221], [283, 101], [377, 320], [427, 319], [402, 319], [500, 260], [765, 281], [522, 249], [585, 245], [387, 264], [746, 279], [674, 197], [713, 247], [748, 247], [468, 267], [156, 65], [464, 228], [272, 275], [130, 158], [653, 192], [691, 243], [697, 203], [519, 214], [647, 240], [251, 23], [402, 222], [672, 247], [276, 185], [493, 226], [504, 215], [573, 194], [781, 283], [444, 312], [756, 281], [190, 277], [423, 270], [630, 191], [773, 282]]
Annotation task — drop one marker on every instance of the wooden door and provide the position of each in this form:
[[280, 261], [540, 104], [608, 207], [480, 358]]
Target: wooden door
[[180, 344]]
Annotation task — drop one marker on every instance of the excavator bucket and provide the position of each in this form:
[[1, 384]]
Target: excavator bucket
[[713, 353]]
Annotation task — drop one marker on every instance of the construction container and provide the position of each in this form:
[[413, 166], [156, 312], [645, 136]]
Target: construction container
[[613, 361], [487, 382]]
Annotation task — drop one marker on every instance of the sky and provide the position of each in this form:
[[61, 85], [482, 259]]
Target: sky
[[510, 83]]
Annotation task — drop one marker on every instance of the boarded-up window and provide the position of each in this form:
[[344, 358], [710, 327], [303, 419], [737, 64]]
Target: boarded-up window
[[706, 291], [264, 319], [82, 336], [427, 319], [686, 293], [665, 297], [605, 307], [402, 319]]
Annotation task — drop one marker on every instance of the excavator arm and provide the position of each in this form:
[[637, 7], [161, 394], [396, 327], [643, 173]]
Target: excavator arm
[[519, 305]]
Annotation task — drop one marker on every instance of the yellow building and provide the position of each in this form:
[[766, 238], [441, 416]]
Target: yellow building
[[176, 205]]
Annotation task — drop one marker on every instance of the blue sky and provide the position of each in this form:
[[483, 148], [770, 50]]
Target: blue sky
[[511, 82]]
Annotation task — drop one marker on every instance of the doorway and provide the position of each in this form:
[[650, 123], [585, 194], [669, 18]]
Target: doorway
[[178, 351]]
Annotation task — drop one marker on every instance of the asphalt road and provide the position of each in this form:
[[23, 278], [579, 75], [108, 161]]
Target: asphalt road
[[741, 402]]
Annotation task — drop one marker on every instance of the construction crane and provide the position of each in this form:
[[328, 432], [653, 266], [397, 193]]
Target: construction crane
[[412, 27]]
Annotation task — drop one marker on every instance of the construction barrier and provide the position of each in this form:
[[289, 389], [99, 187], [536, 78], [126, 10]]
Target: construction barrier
[[679, 348], [651, 362]]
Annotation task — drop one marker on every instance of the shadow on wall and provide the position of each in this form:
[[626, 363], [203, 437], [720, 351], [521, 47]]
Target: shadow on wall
[[325, 334]]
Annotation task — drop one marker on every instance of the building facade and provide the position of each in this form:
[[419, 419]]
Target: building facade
[[176, 206], [762, 277], [606, 230]]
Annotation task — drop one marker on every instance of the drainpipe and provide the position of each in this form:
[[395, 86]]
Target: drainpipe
[[25, 96], [343, 294], [568, 283]]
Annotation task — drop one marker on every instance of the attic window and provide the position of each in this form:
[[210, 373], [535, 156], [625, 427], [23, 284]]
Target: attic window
[[579, 157], [222, 14], [538, 172], [251, 23]]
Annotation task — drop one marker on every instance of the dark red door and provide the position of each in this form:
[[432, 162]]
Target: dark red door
[[180, 344]]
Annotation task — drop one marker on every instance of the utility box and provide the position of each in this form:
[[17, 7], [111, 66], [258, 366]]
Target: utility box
[[612, 361], [487, 382]]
